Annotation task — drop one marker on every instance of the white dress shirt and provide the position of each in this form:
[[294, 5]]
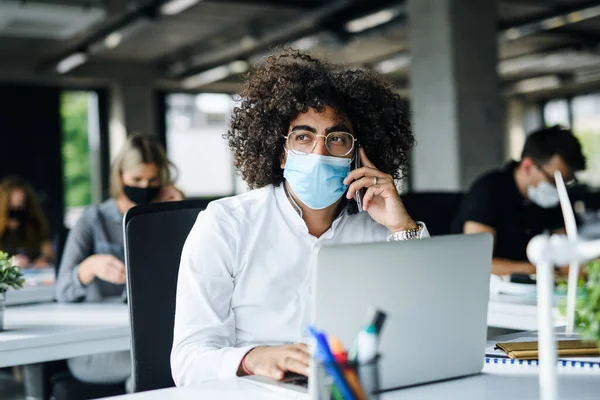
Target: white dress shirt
[[245, 280]]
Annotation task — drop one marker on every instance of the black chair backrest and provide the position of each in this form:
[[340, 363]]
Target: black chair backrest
[[436, 209], [154, 237]]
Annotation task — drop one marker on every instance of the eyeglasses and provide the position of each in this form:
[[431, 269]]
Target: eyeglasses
[[571, 181], [338, 144]]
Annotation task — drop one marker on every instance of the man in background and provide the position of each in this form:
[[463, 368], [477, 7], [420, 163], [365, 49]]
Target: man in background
[[520, 200]]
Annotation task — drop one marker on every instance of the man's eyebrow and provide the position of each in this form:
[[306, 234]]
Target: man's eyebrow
[[304, 128], [338, 128]]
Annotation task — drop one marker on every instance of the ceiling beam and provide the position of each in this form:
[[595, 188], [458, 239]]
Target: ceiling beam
[[306, 23], [299, 4], [550, 12]]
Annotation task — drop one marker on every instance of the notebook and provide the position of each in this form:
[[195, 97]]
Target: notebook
[[566, 348]]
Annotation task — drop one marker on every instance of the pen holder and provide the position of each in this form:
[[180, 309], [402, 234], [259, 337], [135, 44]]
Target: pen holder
[[368, 375], [360, 378]]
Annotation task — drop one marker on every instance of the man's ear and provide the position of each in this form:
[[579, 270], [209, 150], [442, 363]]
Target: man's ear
[[526, 164], [282, 159]]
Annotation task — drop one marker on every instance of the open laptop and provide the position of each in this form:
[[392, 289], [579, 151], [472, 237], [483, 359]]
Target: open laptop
[[435, 294]]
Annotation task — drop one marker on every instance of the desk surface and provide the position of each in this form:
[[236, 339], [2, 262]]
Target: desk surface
[[485, 386], [52, 331]]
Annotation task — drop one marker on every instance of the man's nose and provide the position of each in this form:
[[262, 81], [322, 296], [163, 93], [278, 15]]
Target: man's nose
[[320, 147]]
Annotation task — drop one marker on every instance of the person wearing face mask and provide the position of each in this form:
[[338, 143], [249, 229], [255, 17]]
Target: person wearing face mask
[[243, 294], [24, 231], [521, 200], [92, 268]]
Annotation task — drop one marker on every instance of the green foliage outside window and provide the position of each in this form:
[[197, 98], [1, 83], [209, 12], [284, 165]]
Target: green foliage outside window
[[75, 149], [590, 144]]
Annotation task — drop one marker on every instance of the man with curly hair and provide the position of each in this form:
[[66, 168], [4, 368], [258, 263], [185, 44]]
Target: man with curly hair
[[244, 282]]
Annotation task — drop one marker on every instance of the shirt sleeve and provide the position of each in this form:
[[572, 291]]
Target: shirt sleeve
[[481, 204], [79, 246], [204, 332]]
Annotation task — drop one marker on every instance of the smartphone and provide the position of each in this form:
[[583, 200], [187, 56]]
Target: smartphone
[[359, 194]]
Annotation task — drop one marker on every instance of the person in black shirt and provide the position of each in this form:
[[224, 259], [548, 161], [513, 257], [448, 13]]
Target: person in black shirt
[[520, 201]]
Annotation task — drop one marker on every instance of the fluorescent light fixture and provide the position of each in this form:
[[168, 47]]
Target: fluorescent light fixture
[[587, 13], [393, 64], [71, 62], [554, 22], [215, 74], [371, 20], [537, 84], [238, 67], [173, 7], [113, 40], [305, 43], [512, 33], [117, 37]]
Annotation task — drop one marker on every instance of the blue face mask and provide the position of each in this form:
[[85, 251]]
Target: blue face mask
[[317, 180]]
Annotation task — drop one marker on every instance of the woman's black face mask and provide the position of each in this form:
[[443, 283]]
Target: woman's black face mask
[[140, 195], [16, 214]]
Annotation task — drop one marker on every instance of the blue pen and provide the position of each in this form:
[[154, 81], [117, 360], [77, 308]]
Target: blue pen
[[326, 357]]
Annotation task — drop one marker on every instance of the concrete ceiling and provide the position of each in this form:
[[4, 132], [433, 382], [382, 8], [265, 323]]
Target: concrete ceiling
[[215, 32]]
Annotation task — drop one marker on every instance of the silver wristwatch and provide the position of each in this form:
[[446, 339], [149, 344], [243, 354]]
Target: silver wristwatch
[[410, 234]]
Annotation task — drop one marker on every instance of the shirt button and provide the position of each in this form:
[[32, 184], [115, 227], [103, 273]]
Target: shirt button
[[309, 290]]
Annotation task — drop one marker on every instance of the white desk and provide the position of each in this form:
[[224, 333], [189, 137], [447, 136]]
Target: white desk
[[481, 387], [52, 331]]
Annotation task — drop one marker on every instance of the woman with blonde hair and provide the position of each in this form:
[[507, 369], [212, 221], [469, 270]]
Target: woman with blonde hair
[[92, 267], [24, 230]]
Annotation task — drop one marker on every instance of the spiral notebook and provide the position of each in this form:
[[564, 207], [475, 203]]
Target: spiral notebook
[[588, 366]]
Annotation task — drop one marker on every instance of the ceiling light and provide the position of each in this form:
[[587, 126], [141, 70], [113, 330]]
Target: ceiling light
[[553, 23], [206, 77], [396, 63], [71, 62], [173, 7], [238, 67], [117, 37], [371, 20], [512, 33], [537, 84], [113, 40], [215, 74], [580, 15], [305, 43]]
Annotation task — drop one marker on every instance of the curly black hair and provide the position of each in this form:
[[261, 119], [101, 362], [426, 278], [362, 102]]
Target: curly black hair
[[294, 81]]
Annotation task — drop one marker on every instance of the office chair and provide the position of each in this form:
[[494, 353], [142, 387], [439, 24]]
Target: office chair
[[436, 209], [154, 237]]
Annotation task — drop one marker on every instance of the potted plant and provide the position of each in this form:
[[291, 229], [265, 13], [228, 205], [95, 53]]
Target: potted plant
[[10, 277], [588, 309]]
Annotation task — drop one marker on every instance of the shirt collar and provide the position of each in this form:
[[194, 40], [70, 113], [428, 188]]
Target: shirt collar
[[291, 214]]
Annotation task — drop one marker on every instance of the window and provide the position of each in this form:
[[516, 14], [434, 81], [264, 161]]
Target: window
[[195, 126], [556, 112], [586, 126], [80, 152]]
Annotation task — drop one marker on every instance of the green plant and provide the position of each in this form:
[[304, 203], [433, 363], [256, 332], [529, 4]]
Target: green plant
[[10, 274], [588, 310]]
